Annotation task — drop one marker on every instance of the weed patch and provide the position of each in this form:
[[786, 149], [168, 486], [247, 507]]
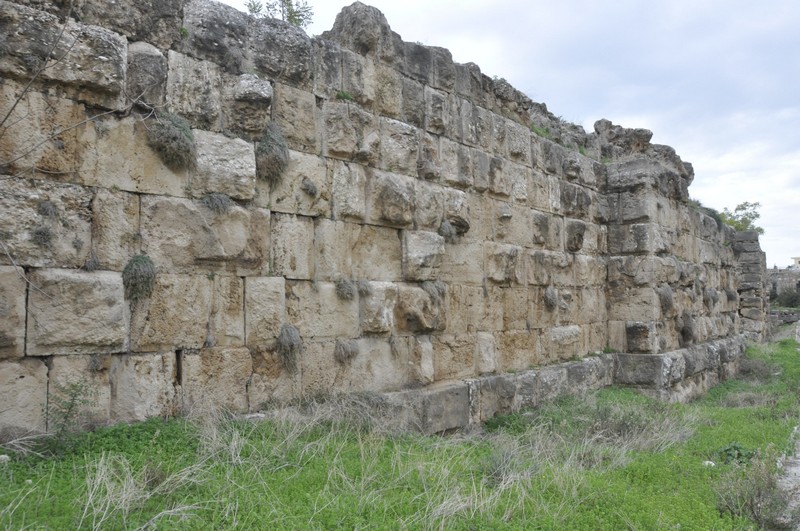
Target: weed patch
[[170, 136]]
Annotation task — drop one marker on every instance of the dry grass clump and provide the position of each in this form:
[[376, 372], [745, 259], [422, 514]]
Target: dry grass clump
[[756, 370], [346, 290], [272, 154], [436, 290], [218, 203], [139, 277], [290, 346], [47, 209], [345, 351], [42, 236], [170, 136]]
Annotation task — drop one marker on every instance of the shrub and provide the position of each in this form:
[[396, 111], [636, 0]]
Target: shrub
[[344, 96], [171, 137], [217, 203], [345, 289], [788, 299], [138, 277], [42, 236], [290, 345], [345, 351], [272, 154]]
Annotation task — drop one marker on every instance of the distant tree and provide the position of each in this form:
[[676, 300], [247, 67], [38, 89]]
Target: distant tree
[[295, 12], [743, 217]]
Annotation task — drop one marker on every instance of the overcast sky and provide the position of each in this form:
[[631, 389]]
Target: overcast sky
[[719, 80]]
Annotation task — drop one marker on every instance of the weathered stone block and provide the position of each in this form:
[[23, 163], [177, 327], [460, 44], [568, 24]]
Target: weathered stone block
[[653, 370], [265, 308], [518, 142], [226, 326], [512, 223], [422, 360], [391, 200], [419, 310], [92, 60], [399, 147], [519, 350], [350, 133], [304, 188], [333, 244], [463, 263], [158, 324], [270, 382], [377, 308], [44, 224], [248, 105], [90, 376], [154, 21], [485, 353], [294, 110], [445, 407], [216, 378], [115, 228], [454, 356], [422, 255], [319, 312], [147, 74], [224, 165], [194, 90], [504, 263], [377, 254], [631, 304], [142, 386], [13, 294], [185, 235], [349, 189], [23, 393], [75, 312], [497, 395], [565, 342], [641, 336], [455, 164], [292, 246], [437, 111], [430, 204]]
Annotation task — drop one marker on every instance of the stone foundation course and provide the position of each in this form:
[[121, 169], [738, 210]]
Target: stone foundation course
[[203, 209]]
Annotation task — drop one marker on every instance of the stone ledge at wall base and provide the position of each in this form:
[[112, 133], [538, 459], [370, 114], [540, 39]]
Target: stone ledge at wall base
[[675, 376]]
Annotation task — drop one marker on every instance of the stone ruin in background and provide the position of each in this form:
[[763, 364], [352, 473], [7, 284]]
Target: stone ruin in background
[[436, 236]]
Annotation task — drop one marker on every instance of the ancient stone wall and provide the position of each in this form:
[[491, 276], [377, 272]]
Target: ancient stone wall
[[435, 233]]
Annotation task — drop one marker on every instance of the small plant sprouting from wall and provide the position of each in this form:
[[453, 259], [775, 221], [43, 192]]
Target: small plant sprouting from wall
[[364, 288], [218, 203], [346, 290], [139, 277], [345, 351], [272, 154], [42, 236], [541, 131], [309, 188], [171, 137], [343, 95], [65, 407], [290, 346], [92, 263], [47, 209]]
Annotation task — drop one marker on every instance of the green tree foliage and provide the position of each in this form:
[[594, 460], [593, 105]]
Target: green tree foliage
[[295, 12], [743, 217]]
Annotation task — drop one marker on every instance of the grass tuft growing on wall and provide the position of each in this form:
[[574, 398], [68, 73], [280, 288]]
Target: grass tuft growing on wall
[[170, 136], [139, 277], [272, 154]]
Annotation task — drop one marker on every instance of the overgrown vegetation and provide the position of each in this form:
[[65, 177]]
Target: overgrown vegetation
[[290, 346], [787, 299], [743, 217], [610, 460], [272, 154], [171, 137], [218, 203], [295, 12], [139, 277]]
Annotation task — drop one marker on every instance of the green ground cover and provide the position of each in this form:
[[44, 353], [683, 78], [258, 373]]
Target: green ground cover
[[610, 460]]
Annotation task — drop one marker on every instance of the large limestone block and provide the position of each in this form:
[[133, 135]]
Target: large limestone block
[[377, 308], [497, 395], [429, 211], [350, 133], [456, 165], [421, 363], [91, 60], [292, 246], [391, 200], [564, 343], [115, 228], [13, 293], [485, 353], [194, 90], [147, 74], [216, 378], [377, 254], [184, 235], [265, 308], [519, 350], [175, 316], [85, 378], [512, 223], [318, 311], [349, 191], [518, 142], [504, 263], [445, 407], [23, 395], [294, 110], [224, 165], [463, 263], [421, 310], [143, 386], [437, 111], [226, 326], [118, 157], [518, 180], [633, 304], [270, 382], [388, 91], [454, 356], [333, 244], [75, 312], [154, 21], [468, 309], [377, 364], [399, 147], [44, 224], [422, 255], [304, 188], [248, 105]]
